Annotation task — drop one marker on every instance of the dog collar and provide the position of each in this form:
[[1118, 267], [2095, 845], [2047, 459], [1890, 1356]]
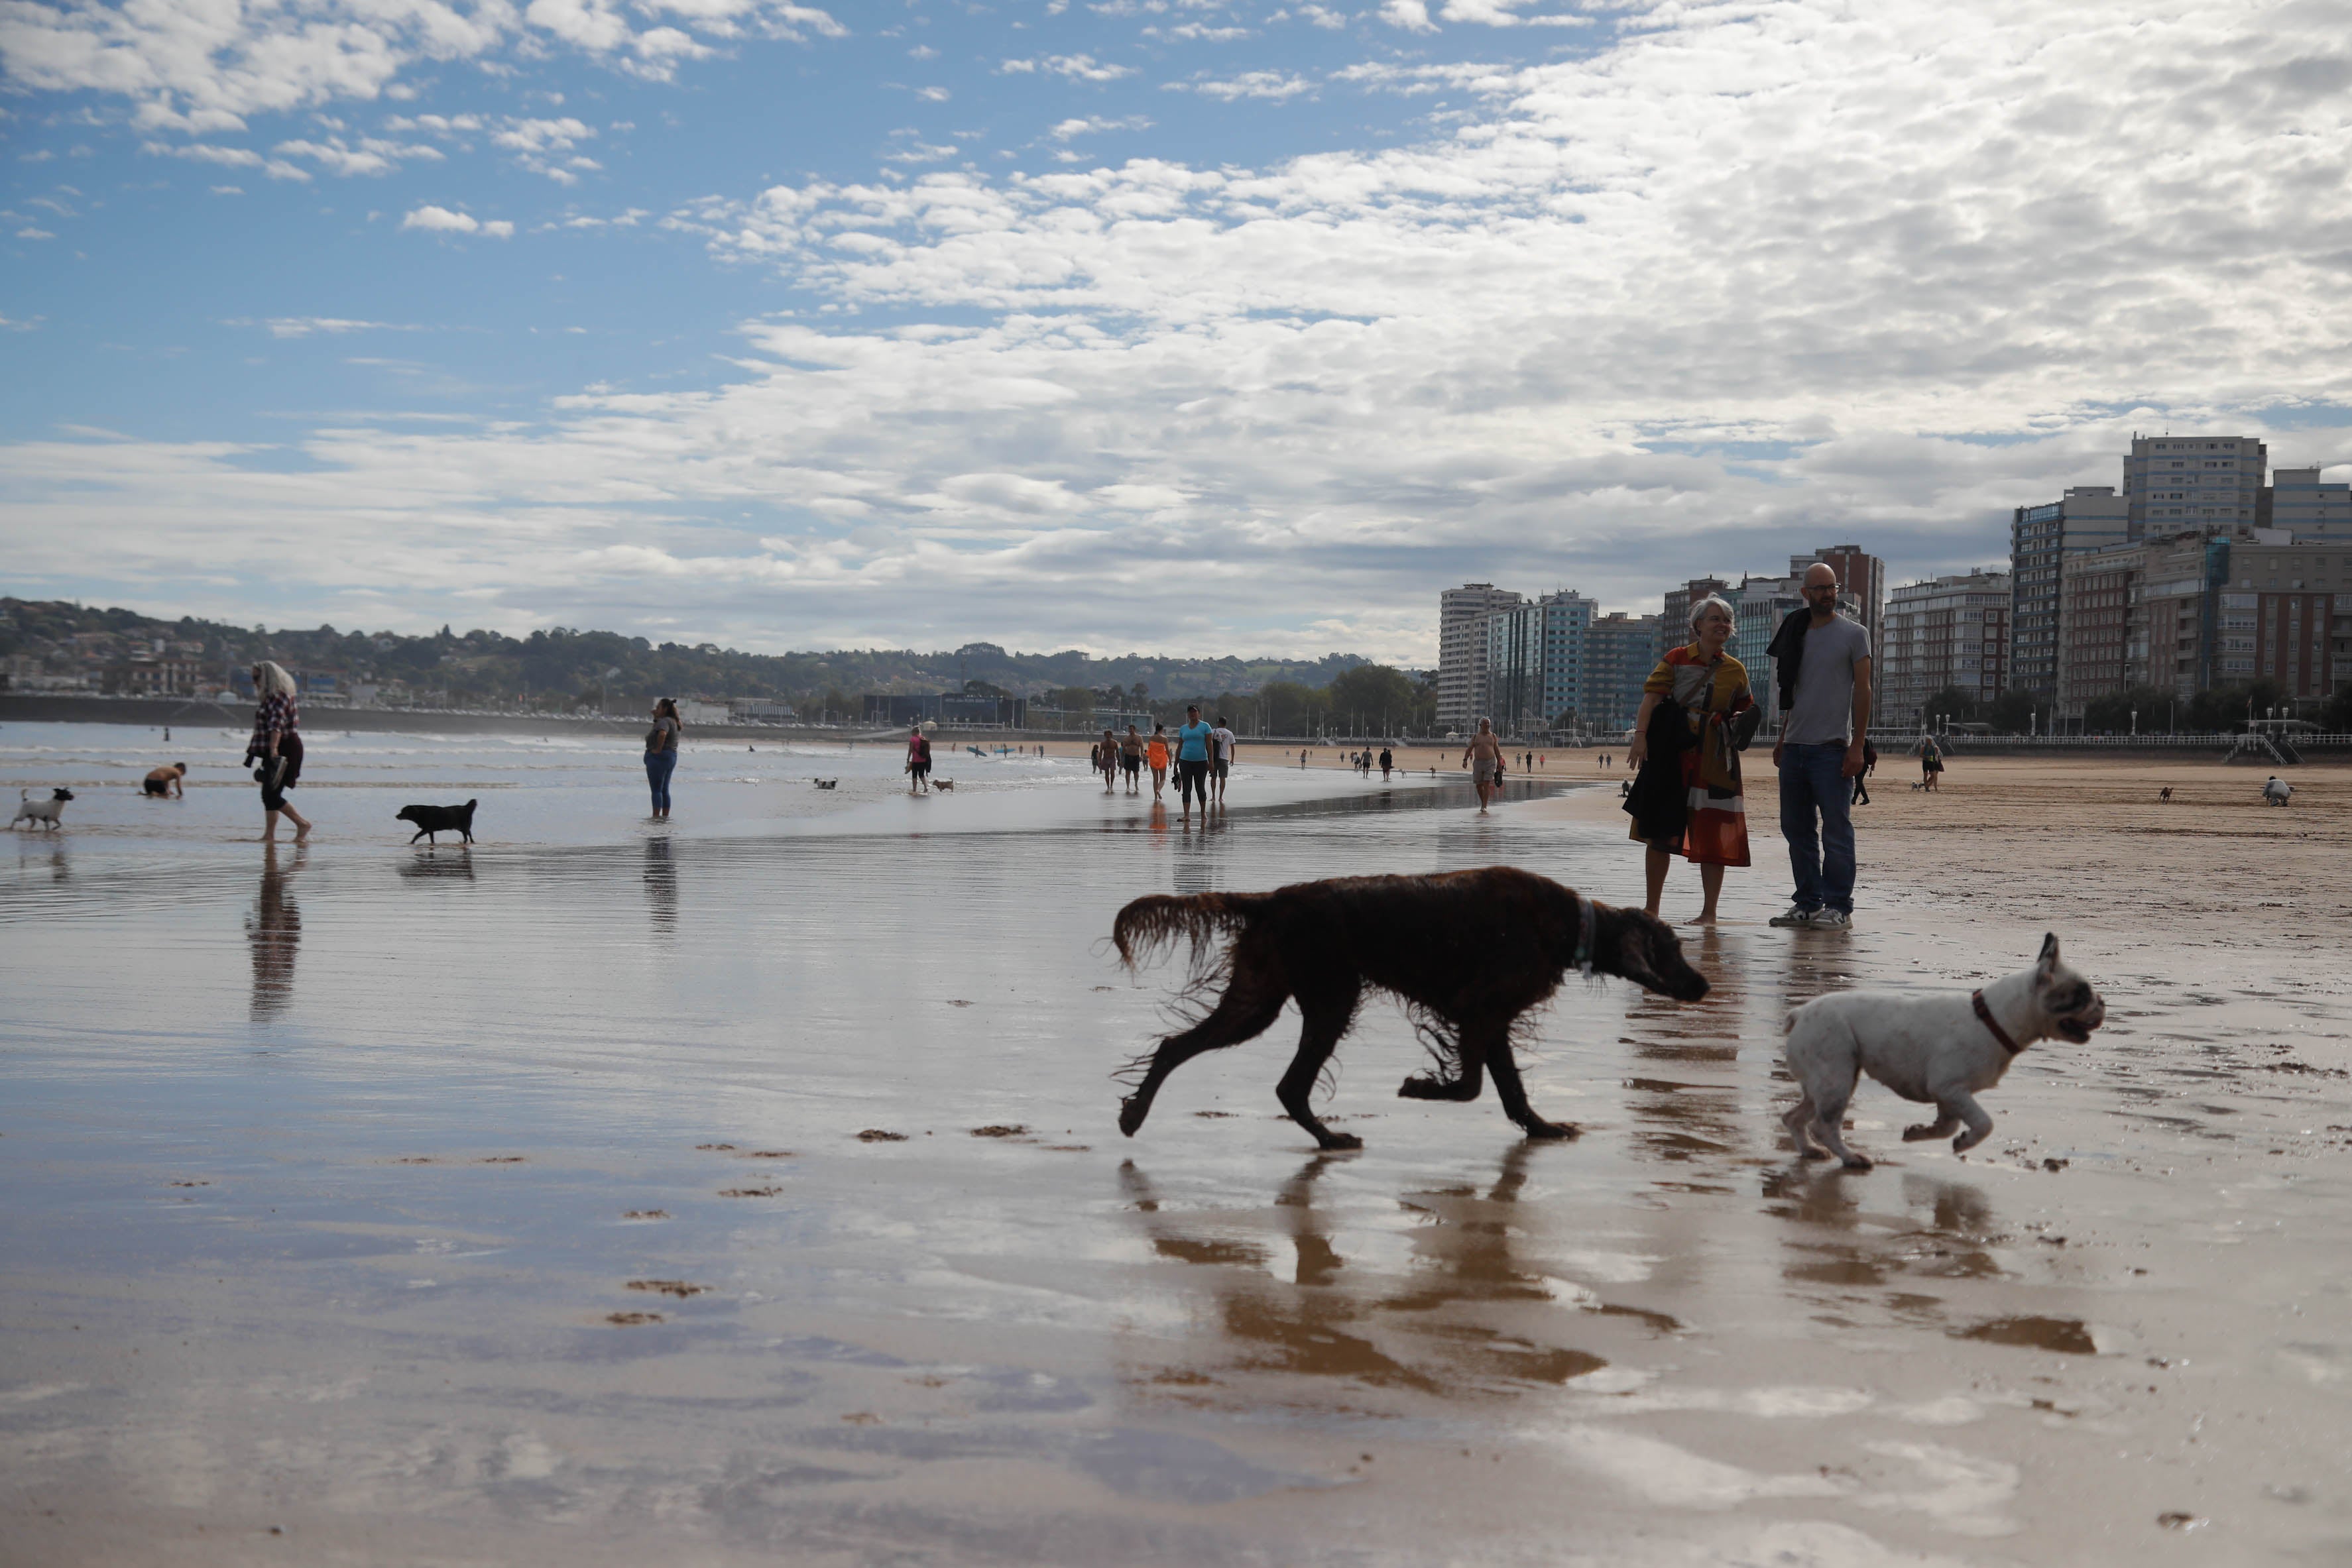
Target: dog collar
[[1585, 924], [1976, 1001]]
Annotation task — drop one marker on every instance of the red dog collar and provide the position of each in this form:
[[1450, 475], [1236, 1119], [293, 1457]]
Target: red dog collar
[[1976, 1001]]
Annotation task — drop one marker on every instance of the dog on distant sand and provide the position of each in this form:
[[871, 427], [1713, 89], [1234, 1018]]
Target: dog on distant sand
[[1468, 952], [2165, 793], [433, 820], [942, 783], [50, 814], [1941, 1050], [826, 783]]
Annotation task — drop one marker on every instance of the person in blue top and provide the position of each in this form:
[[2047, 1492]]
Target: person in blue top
[[1193, 745]]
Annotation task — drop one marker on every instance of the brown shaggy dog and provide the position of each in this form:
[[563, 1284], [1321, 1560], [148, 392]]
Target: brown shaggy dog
[[1468, 952]]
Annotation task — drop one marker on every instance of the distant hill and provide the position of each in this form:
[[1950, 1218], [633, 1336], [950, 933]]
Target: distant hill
[[56, 645]]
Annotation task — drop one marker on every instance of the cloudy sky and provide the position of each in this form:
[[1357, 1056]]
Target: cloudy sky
[[1154, 324]]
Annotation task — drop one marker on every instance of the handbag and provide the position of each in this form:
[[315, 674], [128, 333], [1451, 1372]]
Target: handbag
[[1744, 726]]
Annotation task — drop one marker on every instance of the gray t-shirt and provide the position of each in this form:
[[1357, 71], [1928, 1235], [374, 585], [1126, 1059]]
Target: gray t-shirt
[[1823, 711]]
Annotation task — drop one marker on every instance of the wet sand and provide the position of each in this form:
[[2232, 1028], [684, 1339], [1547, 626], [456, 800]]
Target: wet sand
[[750, 1191]]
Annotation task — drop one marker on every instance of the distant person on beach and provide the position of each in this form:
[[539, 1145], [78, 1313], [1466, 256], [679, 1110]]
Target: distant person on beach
[[1931, 764], [1823, 666], [275, 750], [1192, 744], [661, 754], [164, 782], [1221, 741], [919, 761], [1688, 796], [1131, 759], [1387, 760], [1483, 757], [1155, 752], [2276, 792], [1869, 766], [1107, 761]]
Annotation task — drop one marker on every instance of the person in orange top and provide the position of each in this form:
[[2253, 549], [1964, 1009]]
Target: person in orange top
[[1692, 801], [1155, 752]]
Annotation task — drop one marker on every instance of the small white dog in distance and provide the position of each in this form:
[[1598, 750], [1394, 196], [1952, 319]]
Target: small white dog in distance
[[50, 814], [1941, 1050]]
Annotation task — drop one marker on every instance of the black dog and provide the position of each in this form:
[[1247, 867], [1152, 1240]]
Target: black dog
[[432, 819], [1469, 952]]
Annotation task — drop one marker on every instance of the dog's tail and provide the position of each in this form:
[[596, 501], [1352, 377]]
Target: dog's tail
[[1160, 920]]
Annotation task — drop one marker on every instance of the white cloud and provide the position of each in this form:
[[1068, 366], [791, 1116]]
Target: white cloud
[[1273, 85], [1411, 15], [1505, 14], [1198, 33], [441, 220], [204, 69], [1079, 68], [372, 155], [1093, 124], [309, 325], [29, 232]]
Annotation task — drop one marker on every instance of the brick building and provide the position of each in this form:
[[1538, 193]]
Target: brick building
[[1945, 632]]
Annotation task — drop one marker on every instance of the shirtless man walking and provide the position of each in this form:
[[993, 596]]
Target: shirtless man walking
[[1483, 757]]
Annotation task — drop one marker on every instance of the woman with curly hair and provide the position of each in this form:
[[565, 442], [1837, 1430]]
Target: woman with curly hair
[[1696, 713]]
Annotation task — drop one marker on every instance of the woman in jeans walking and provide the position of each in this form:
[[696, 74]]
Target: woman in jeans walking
[[661, 754]]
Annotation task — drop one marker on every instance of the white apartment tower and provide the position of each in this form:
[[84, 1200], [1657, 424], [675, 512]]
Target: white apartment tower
[[1948, 631], [2204, 482], [1462, 651]]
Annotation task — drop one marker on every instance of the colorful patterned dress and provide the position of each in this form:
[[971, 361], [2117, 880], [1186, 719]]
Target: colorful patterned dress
[[1710, 695]]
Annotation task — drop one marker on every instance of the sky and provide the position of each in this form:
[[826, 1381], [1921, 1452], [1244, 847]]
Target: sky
[[1191, 327]]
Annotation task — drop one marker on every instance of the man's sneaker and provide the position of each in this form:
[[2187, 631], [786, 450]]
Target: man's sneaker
[[1831, 920], [1795, 914]]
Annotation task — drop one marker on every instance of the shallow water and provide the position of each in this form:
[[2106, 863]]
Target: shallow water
[[330, 1172]]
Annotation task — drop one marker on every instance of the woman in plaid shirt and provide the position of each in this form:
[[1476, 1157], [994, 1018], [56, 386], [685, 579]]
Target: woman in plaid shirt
[[276, 749]]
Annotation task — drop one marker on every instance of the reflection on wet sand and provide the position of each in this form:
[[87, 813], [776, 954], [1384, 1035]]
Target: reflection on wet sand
[[1453, 1323], [1681, 1114], [1947, 1231], [273, 931], [661, 885], [432, 865]]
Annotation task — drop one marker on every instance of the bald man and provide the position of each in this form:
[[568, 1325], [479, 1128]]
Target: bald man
[[1823, 731]]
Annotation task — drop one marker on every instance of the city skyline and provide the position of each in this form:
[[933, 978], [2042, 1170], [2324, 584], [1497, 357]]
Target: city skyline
[[1194, 327]]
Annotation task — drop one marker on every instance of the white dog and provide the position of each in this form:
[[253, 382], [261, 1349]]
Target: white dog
[[1942, 1050], [50, 814]]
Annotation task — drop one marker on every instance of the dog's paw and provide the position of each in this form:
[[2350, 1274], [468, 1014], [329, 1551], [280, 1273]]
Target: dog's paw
[[1552, 1130], [1811, 1153], [1130, 1115], [1857, 1162], [1422, 1086], [1335, 1141], [1921, 1132]]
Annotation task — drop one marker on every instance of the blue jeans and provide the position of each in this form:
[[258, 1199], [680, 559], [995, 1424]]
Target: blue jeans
[[660, 765], [1811, 781]]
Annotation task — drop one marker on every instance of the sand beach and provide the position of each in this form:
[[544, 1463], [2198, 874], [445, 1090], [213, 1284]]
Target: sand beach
[[747, 1190]]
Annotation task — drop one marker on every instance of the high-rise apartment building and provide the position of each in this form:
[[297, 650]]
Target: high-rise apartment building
[[1946, 632], [1620, 652], [1535, 662], [1763, 604], [2041, 538], [2146, 615], [2313, 513], [1462, 615], [2205, 481], [2285, 612]]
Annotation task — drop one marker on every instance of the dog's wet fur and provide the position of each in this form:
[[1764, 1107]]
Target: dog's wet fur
[[1469, 953], [433, 820], [1930, 1047]]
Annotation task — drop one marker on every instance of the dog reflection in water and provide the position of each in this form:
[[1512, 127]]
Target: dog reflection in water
[[1468, 952], [273, 931], [1430, 1328]]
